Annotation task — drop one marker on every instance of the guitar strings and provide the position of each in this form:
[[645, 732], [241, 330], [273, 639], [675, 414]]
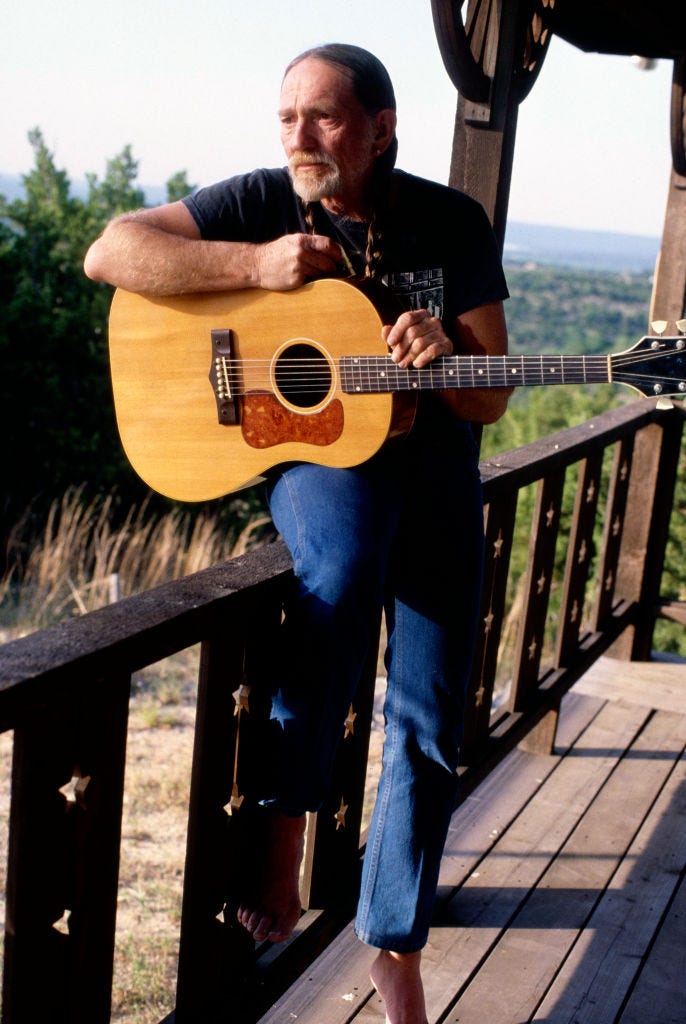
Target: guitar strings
[[315, 373], [623, 357]]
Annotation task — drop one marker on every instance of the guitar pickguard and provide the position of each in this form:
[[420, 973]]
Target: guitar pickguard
[[265, 422]]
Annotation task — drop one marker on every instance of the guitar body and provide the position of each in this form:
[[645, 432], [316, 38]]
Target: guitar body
[[213, 390], [161, 358]]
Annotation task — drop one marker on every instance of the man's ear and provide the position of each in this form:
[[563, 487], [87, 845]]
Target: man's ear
[[386, 121]]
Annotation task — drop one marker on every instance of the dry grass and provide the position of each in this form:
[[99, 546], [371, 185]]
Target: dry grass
[[81, 561], [158, 770]]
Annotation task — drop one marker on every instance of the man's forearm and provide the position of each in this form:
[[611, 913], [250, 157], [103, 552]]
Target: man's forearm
[[141, 257]]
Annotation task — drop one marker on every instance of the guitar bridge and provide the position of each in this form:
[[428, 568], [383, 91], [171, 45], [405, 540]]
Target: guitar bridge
[[221, 377]]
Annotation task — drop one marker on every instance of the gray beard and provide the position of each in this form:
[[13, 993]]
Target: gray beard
[[312, 189]]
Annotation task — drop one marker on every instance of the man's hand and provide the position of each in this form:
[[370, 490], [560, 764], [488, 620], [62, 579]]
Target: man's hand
[[291, 260], [416, 338]]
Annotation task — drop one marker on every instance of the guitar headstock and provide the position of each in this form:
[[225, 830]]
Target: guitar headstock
[[656, 365]]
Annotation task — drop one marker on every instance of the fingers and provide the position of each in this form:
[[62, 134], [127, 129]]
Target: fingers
[[318, 255], [291, 260], [416, 338]]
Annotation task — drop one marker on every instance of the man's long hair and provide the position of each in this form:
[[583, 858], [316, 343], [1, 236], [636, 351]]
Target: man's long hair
[[373, 88]]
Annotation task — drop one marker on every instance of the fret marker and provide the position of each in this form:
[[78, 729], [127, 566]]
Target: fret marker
[[513, 370], [480, 373]]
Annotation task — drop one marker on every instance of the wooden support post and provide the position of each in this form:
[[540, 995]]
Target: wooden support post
[[541, 739], [481, 164], [493, 57], [669, 288]]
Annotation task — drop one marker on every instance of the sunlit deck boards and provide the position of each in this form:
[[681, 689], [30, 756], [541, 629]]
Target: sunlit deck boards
[[561, 896]]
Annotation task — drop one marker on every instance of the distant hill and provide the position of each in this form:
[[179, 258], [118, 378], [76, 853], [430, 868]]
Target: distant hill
[[579, 249], [524, 243]]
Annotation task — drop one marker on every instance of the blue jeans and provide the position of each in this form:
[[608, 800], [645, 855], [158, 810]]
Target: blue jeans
[[403, 531]]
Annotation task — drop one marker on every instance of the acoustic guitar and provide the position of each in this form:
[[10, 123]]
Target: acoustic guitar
[[212, 390]]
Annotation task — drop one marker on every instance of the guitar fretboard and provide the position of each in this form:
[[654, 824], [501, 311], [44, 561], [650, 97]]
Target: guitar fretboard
[[377, 374]]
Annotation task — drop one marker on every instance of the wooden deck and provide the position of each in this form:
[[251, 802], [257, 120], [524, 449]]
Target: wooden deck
[[561, 896]]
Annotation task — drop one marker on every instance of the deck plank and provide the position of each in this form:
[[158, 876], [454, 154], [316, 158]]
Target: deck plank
[[660, 993], [493, 895], [654, 684], [515, 978], [604, 963], [488, 811]]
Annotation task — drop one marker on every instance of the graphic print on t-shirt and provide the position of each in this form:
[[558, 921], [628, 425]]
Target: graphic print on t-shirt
[[418, 289]]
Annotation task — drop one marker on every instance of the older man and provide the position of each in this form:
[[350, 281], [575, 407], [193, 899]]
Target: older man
[[403, 530]]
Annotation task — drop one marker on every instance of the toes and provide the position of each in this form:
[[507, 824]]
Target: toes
[[260, 925]]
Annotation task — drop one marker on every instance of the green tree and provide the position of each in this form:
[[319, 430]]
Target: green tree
[[178, 187], [116, 193], [56, 412]]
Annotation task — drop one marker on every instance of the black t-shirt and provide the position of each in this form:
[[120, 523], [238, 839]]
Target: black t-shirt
[[439, 251]]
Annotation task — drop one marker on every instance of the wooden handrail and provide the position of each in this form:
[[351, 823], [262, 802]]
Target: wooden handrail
[[65, 692]]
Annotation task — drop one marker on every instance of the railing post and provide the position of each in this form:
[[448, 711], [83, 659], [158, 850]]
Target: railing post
[[531, 634], [216, 955], [644, 539], [331, 870], [579, 558], [539, 579], [615, 523], [65, 834], [500, 521]]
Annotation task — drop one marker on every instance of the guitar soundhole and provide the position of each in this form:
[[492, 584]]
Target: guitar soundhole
[[302, 376]]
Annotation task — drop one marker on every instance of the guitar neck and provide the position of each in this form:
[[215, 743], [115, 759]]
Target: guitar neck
[[377, 374]]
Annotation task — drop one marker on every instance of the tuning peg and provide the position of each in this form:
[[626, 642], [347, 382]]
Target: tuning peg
[[681, 326], [659, 326]]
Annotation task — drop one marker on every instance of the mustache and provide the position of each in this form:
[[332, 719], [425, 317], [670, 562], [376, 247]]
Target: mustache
[[305, 156]]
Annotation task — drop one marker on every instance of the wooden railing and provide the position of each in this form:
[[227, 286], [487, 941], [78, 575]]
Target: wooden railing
[[65, 693]]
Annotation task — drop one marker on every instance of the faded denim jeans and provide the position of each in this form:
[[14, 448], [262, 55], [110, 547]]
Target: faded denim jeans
[[404, 530]]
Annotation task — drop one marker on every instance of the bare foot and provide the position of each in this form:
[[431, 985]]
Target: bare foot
[[397, 979], [275, 909]]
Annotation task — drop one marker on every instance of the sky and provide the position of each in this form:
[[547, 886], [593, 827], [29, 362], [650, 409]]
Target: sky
[[193, 85]]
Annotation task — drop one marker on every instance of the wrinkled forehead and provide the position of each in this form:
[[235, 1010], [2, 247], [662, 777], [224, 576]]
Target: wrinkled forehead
[[316, 83]]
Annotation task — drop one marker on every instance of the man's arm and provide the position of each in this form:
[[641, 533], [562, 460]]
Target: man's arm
[[417, 337], [480, 332], [159, 251]]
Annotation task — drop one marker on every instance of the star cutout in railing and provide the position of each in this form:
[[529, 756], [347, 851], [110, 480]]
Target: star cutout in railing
[[235, 802], [340, 815], [350, 723], [74, 791]]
